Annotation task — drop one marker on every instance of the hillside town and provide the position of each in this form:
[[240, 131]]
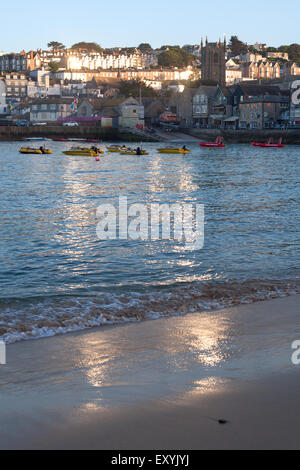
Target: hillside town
[[225, 85]]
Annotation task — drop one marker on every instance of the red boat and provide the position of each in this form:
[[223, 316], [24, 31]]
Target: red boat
[[60, 140], [269, 144], [218, 143]]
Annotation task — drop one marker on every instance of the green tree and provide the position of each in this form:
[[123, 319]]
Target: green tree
[[87, 46], [237, 47], [53, 67], [145, 47], [253, 50], [56, 45], [294, 52], [174, 57], [283, 48], [136, 87]]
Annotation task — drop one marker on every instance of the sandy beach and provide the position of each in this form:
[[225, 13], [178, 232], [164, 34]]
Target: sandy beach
[[159, 384]]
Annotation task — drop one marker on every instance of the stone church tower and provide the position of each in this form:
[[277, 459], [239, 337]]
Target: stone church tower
[[213, 61]]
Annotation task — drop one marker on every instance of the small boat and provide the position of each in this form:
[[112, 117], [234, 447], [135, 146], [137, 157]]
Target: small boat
[[83, 152], [129, 151], [218, 143], [269, 144], [33, 139], [115, 148], [180, 150], [60, 140], [32, 151]]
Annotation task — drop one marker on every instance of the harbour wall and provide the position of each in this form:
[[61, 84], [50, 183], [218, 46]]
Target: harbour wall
[[289, 136], [8, 133]]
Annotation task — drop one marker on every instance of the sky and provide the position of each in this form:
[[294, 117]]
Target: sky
[[32, 24]]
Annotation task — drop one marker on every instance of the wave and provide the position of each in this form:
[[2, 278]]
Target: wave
[[23, 319]]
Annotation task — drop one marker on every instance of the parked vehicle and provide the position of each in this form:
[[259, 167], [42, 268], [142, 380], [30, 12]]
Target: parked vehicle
[[39, 124], [71, 124], [22, 123]]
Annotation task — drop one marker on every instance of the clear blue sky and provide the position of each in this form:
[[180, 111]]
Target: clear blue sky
[[32, 24]]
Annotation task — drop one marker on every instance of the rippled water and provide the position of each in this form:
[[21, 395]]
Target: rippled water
[[57, 276]]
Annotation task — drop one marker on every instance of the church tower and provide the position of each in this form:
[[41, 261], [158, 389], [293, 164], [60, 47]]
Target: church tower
[[213, 61]]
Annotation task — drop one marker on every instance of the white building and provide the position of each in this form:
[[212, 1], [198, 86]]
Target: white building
[[233, 73], [74, 60]]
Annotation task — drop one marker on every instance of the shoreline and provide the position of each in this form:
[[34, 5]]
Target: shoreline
[[158, 384]]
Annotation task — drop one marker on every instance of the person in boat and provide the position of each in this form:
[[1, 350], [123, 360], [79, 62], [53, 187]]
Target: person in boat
[[94, 149], [42, 149], [138, 151], [184, 147]]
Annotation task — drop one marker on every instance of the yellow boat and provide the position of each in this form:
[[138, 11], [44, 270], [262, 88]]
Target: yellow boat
[[114, 148], [34, 151], [83, 152], [134, 152], [179, 150]]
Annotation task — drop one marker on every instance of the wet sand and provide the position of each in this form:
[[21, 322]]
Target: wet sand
[[159, 384]]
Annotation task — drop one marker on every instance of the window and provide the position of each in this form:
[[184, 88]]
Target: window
[[43, 106]]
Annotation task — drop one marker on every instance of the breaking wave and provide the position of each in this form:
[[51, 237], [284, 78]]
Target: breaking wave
[[23, 319]]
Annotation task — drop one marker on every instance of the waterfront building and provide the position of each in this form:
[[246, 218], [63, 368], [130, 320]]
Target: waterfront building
[[125, 112], [202, 102], [264, 112], [51, 109]]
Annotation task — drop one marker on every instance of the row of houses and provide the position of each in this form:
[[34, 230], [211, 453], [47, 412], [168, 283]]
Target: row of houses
[[126, 113], [75, 60], [40, 83], [244, 106]]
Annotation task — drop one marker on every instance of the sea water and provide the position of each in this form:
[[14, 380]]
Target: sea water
[[56, 275]]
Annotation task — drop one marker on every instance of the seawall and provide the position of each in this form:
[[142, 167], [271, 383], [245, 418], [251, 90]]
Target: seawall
[[85, 132], [289, 136]]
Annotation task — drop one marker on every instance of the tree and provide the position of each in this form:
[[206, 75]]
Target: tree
[[175, 56], [294, 52], [56, 45], [145, 47], [53, 67], [237, 47], [253, 50], [283, 48], [87, 46], [136, 87]]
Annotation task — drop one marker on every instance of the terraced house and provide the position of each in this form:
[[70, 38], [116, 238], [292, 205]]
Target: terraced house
[[50, 109]]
